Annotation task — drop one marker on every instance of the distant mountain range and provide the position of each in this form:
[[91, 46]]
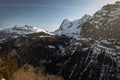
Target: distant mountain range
[[18, 31]]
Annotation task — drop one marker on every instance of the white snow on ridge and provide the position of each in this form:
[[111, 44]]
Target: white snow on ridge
[[72, 28], [17, 31], [24, 30]]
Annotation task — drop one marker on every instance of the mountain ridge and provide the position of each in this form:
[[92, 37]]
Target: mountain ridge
[[93, 56], [18, 31], [104, 23], [72, 28]]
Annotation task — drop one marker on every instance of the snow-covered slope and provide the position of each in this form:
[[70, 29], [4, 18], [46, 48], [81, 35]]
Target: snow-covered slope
[[24, 30], [17, 31], [72, 29]]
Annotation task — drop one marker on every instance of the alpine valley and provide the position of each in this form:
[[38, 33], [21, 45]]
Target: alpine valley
[[83, 49]]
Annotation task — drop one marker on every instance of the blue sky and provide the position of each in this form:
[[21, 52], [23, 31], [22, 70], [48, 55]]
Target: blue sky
[[46, 14]]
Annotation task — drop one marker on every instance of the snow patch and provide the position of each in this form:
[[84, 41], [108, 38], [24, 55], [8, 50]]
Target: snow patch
[[50, 46]]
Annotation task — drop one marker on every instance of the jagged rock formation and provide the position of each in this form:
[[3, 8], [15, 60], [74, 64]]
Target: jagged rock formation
[[104, 24]]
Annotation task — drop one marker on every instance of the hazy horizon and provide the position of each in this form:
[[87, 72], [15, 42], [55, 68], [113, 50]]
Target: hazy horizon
[[46, 14]]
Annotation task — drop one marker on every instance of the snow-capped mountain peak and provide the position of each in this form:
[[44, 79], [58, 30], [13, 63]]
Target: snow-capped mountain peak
[[17, 31], [65, 24], [72, 28], [65, 21], [25, 30]]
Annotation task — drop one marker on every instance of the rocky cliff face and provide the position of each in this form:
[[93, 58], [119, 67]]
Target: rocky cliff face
[[71, 59], [104, 23]]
